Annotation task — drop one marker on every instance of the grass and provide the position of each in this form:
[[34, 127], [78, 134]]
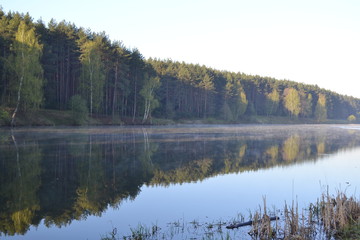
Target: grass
[[43, 118], [331, 217], [46, 117], [350, 232]]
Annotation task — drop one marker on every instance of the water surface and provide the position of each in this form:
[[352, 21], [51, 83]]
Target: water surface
[[80, 183]]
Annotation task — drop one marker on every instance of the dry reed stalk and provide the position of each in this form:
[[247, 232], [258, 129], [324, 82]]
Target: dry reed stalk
[[338, 212], [331, 213]]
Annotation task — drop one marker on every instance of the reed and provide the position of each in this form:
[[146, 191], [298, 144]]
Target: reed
[[338, 213], [331, 217]]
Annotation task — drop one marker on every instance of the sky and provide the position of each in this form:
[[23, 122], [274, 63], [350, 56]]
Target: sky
[[308, 41]]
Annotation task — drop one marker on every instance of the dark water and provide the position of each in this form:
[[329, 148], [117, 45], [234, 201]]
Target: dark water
[[80, 183]]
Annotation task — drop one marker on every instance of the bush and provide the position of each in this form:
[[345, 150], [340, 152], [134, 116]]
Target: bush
[[78, 109], [4, 117], [351, 118]]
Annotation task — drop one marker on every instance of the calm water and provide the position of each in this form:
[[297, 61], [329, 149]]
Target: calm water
[[80, 183]]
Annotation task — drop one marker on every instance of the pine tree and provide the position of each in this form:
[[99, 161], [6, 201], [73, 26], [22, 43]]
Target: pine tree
[[207, 85], [235, 97]]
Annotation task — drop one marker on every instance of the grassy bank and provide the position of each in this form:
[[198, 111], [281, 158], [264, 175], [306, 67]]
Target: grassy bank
[[331, 217], [46, 117]]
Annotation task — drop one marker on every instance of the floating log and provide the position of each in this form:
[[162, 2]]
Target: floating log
[[248, 223]]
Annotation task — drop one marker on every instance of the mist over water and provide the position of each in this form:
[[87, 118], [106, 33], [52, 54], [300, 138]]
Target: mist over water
[[82, 182]]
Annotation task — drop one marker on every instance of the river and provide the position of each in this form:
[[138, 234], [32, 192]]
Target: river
[[85, 182]]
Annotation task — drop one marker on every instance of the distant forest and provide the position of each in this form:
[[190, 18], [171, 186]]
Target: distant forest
[[64, 67]]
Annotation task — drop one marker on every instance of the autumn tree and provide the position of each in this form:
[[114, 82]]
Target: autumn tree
[[320, 109], [292, 101], [351, 118], [272, 102]]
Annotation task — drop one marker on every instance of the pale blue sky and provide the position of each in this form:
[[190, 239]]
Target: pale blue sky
[[310, 41]]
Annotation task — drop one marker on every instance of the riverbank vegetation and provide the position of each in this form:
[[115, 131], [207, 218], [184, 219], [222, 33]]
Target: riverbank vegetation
[[331, 217], [63, 67]]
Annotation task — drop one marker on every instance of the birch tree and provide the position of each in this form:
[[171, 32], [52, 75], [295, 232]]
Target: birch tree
[[272, 102], [320, 109], [292, 101], [92, 76], [147, 92], [28, 70], [235, 98]]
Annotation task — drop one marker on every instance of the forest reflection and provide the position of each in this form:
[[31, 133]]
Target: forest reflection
[[57, 177]]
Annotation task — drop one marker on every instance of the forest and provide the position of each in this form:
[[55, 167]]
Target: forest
[[60, 66]]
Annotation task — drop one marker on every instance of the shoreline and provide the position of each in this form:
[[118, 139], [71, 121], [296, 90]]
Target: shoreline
[[64, 118]]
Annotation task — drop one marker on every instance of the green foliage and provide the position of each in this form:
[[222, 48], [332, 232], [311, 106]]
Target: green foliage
[[226, 112], [44, 66], [92, 76], [241, 103], [4, 117], [349, 232], [306, 104], [235, 99], [272, 102], [351, 118], [27, 53], [27, 84], [78, 109], [147, 92], [292, 101], [320, 109]]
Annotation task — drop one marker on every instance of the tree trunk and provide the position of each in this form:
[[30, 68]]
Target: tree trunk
[[114, 93], [19, 92], [135, 100], [91, 86], [3, 77]]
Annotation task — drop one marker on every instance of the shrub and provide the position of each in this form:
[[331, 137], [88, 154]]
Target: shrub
[[4, 117], [79, 109], [351, 118]]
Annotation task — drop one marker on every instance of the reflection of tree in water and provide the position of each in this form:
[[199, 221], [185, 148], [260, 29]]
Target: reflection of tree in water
[[290, 148], [272, 153], [20, 182], [61, 179], [233, 156]]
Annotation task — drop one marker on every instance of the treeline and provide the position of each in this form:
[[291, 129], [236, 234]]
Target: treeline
[[189, 90], [61, 66]]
